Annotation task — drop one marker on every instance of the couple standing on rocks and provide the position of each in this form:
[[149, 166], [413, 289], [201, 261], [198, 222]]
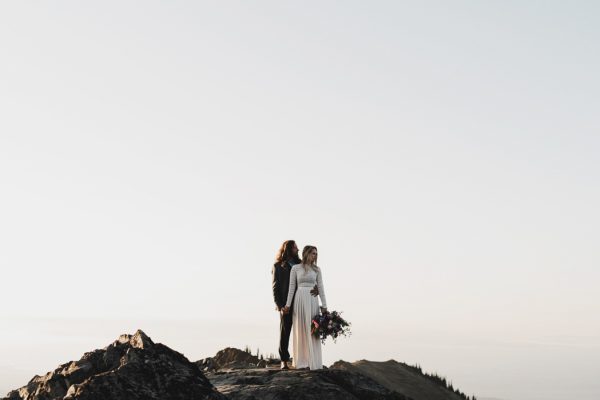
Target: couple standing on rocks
[[296, 285]]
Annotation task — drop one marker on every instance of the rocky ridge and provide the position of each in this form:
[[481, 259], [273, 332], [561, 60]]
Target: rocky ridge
[[134, 367]]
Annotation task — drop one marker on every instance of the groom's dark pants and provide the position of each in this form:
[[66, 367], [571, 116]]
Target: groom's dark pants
[[285, 328]]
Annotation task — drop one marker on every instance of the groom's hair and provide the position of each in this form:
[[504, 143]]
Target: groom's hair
[[285, 252]]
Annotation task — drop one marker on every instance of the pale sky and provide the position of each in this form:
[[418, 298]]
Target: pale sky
[[443, 157]]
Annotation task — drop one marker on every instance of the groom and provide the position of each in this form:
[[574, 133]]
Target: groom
[[287, 256]]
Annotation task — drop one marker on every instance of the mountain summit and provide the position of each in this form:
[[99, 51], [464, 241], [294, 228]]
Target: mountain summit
[[132, 367]]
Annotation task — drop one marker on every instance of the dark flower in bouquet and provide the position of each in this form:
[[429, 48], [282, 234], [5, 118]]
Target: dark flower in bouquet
[[330, 324]]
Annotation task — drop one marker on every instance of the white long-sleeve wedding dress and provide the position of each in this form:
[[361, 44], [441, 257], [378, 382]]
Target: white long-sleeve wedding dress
[[306, 347]]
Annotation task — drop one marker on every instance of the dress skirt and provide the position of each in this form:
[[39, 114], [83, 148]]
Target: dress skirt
[[306, 347]]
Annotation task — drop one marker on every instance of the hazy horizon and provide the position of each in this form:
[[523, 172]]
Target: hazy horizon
[[443, 157]]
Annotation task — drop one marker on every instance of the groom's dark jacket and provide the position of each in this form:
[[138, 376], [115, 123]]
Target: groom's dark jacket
[[281, 282]]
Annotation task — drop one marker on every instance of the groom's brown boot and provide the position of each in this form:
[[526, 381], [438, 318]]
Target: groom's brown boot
[[284, 365]]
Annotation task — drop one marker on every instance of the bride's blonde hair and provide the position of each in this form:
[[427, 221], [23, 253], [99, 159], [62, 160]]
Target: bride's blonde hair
[[305, 253]]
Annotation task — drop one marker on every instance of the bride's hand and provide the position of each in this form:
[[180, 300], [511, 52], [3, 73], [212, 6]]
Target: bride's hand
[[323, 310]]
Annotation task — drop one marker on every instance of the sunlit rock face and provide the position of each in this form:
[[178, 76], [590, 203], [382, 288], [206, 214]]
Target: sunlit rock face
[[132, 367]]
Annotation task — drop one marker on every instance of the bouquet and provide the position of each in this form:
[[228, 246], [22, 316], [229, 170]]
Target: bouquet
[[330, 324]]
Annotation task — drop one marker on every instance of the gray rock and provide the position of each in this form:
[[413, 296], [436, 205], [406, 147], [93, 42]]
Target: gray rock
[[274, 384]]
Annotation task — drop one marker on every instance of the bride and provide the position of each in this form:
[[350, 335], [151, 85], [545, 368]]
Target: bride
[[304, 276]]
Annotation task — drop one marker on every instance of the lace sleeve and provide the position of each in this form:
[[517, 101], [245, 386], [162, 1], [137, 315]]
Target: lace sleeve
[[292, 288], [321, 289]]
